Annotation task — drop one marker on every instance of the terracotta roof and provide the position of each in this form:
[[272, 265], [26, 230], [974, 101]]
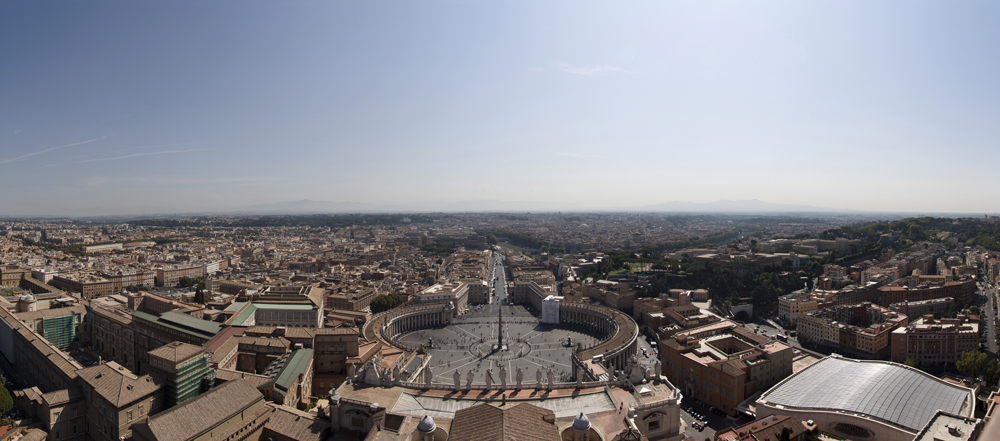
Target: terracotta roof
[[258, 380], [63, 396], [337, 331], [176, 351], [118, 385], [47, 313], [194, 417], [279, 342], [523, 422], [294, 424]]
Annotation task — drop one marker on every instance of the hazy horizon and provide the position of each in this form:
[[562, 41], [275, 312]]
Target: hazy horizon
[[122, 108]]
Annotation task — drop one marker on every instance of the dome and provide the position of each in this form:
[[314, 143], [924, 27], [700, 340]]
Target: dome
[[427, 425], [581, 423], [27, 298]]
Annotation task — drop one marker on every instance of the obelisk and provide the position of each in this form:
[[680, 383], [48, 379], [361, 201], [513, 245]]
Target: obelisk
[[500, 331]]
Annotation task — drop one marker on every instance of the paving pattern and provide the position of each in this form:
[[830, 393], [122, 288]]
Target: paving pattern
[[438, 407], [469, 343]]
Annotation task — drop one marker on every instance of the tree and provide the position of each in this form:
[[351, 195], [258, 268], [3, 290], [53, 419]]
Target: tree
[[971, 363], [386, 302], [199, 296], [911, 363], [785, 434], [491, 239], [992, 375], [6, 402]]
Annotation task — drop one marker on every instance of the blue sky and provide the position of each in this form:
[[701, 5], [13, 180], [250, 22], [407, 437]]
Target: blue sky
[[143, 107]]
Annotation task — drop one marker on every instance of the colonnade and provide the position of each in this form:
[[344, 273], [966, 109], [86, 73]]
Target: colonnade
[[413, 322], [596, 322], [620, 333]]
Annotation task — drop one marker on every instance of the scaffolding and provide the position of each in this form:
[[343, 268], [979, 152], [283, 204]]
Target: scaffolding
[[60, 331], [191, 379]]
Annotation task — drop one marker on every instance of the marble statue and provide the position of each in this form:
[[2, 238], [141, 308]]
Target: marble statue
[[468, 380], [519, 376], [503, 378]]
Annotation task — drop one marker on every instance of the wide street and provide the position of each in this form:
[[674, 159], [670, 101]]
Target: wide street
[[987, 297]]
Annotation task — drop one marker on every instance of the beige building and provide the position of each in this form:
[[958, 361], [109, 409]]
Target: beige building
[[932, 342], [113, 336], [793, 306], [859, 330], [171, 276], [88, 286], [117, 399]]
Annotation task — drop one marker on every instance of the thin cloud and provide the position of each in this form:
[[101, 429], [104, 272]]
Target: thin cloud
[[20, 130], [595, 71], [224, 180], [115, 158], [128, 150], [23, 157]]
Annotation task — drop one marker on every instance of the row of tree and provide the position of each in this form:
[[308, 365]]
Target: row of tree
[[386, 302], [972, 363]]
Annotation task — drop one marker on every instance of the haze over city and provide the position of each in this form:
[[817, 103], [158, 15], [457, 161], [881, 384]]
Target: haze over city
[[138, 108]]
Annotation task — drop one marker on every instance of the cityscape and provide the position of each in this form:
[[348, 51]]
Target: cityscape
[[511, 221]]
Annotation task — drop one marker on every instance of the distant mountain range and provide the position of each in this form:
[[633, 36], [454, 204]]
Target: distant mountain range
[[743, 206], [307, 206]]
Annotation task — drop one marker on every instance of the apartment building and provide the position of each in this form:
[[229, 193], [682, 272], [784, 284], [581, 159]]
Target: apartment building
[[795, 305], [122, 278], [723, 363], [171, 276], [862, 330], [934, 342], [915, 310], [912, 289], [87, 285]]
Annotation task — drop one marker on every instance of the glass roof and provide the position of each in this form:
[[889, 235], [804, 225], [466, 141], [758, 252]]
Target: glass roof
[[903, 396]]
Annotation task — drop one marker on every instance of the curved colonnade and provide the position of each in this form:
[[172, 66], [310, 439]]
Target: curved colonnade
[[387, 326], [621, 338], [618, 332]]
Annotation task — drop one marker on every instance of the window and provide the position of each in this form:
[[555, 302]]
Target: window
[[130, 416], [140, 410]]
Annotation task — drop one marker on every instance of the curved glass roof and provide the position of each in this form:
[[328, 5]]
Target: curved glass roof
[[903, 396]]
